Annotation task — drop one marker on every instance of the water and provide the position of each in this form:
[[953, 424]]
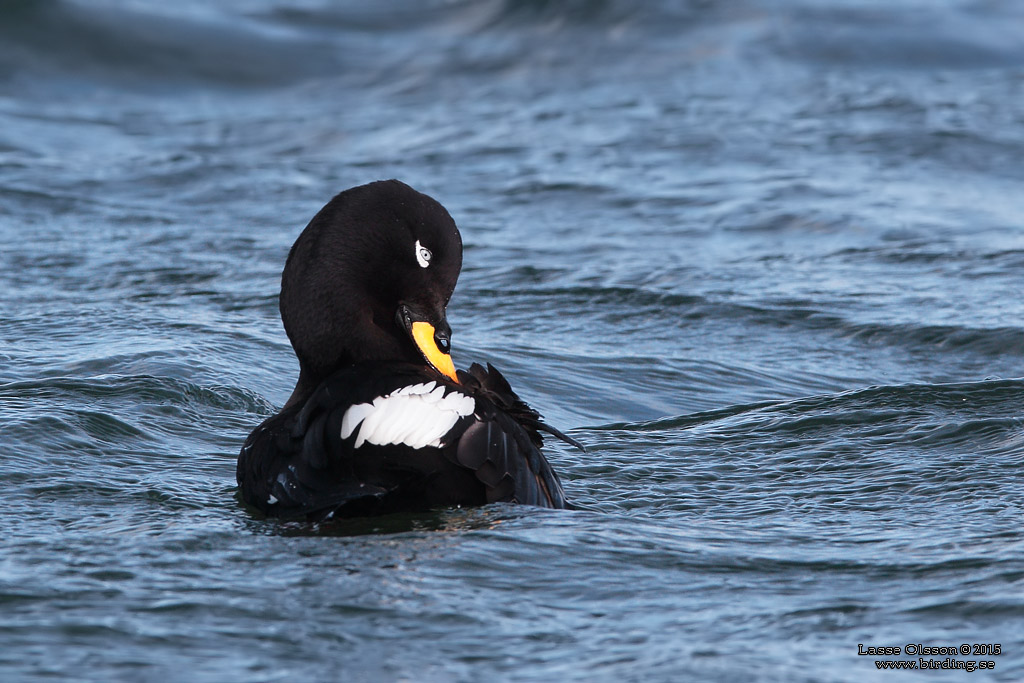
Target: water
[[764, 258]]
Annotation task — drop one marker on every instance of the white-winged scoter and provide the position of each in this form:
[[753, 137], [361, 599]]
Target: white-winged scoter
[[380, 420]]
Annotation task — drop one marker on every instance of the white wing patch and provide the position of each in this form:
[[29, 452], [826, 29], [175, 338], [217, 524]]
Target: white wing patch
[[418, 416]]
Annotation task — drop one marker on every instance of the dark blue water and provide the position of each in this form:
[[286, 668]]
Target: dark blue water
[[766, 258]]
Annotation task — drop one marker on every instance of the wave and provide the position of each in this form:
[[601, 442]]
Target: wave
[[62, 40], [154, 443], [853, 458], [894, 36], [518, 288], [1004, 395], [28, 394], [156, 46]]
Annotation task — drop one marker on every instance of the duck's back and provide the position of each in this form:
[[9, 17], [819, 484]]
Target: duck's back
[[386, 437]]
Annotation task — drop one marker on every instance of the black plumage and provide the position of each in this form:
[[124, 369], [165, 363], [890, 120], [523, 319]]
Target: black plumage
[[379, 420]]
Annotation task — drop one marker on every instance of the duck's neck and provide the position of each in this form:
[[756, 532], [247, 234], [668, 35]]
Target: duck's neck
[[304, 388]]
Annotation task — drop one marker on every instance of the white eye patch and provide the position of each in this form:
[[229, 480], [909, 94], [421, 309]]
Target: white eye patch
[[422, 255]]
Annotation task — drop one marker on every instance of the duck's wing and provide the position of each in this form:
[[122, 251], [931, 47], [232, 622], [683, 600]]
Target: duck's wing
[[281, 474], [397, 437], [369, 440], [502, 444]]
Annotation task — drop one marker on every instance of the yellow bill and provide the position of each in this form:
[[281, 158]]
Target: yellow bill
[[423, 335]]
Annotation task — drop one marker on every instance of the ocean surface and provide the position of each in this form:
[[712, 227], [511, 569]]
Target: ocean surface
[[765, 258]]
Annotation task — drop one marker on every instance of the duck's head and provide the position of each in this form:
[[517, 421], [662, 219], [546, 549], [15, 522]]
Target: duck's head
[[369, 279]]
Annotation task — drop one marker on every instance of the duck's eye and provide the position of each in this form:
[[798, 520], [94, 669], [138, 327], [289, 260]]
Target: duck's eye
[[422, 255]]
